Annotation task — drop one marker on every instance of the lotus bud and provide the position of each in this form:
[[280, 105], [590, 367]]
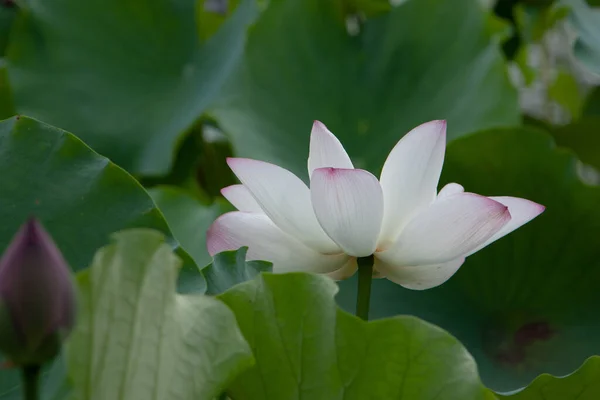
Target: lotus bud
[[37, 297]]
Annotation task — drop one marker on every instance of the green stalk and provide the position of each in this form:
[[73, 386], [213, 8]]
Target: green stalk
[[365, 276], [31, 381]]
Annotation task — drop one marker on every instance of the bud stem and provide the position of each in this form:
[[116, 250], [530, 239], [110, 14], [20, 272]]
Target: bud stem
[[31, 378], [365, 275]]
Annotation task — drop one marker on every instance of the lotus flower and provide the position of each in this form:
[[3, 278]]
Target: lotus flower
[[419, 237], [37, 297]]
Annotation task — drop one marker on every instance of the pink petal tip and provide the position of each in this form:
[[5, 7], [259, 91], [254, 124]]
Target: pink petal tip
[[236, 162]]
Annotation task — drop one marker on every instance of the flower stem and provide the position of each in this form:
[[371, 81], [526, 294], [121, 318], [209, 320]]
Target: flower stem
[[365, 275], [31, 378]]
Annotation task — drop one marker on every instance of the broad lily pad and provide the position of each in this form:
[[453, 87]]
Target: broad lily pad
[[583, 137], [230, 268], [527, 304], [307, 348], [7, 108], [592, 103], [583, 384], [188, 218], [80, 196], [137, 339], [128, 76], [8, 11], [424, 60]]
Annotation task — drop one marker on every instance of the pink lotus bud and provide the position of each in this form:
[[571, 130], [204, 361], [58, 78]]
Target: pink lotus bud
[[37, 297]]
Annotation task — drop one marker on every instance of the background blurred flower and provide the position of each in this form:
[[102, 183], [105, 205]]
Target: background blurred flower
[[419, 237], [37, 297]]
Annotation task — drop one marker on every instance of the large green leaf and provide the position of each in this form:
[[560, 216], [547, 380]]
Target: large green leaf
[[137, 339], [7, 108], [230, 268], [581, 385], [592, 103], [128, 76], [80, 196], [527, 304], [188, 218], [307, 348], [583, 137], [8, 11], [424, 60]]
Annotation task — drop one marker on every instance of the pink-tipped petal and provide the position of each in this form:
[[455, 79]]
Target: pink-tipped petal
[[326, 150], [349, 206], [267, 242], [450, 228], [450, 189], [285, 199], [410, 176], [521, 211], [420, 277], [345, 272], [241, 198]]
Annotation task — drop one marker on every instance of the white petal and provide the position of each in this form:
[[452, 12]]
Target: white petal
[[521, 212], [241, 198], [267, 242], [450, 228], [349, 206], [326, 150], [410, 176], [420, 277], [285, 199], [450, 189], [345, 272]]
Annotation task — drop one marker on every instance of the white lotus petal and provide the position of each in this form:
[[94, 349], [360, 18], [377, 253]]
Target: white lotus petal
[[521, 212], [450, 189], [345, 272], [285, 199], [326, 150], [267, 242], [241, 198], [450, 228], [410, 176], [420, 277], [349, 206]]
